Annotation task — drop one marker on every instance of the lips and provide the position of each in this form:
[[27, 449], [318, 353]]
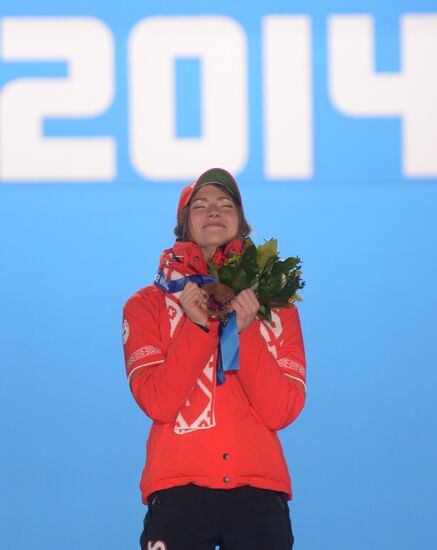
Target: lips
[[214, 225]]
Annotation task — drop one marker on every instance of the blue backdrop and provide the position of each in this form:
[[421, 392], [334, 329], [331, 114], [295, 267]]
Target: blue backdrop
[[326, 114]]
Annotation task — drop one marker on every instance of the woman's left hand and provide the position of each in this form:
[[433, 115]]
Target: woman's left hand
[[246, 306]]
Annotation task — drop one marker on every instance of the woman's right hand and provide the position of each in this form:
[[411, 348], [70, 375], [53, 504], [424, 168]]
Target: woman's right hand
[[193, 301]]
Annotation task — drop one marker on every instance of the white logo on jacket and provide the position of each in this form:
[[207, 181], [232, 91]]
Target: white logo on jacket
[[125, 331], [267, 330]]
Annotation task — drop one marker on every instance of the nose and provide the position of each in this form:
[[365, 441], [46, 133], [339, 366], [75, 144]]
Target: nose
[[213, 210]]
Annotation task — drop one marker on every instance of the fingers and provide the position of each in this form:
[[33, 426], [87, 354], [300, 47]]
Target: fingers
[[194, 303], [194, 297], [246, 300], [246, 307]]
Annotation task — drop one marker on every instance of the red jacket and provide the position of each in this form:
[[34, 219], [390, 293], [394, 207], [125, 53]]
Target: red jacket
[[214, 436]]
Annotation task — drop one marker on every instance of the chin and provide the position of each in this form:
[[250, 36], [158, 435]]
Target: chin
[[216, 240], [217, 243]]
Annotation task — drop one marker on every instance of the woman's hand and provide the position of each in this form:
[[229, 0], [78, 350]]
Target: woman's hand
[[193, 301], [246, 307]]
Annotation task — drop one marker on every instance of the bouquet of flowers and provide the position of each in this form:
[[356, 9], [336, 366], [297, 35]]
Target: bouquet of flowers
[[274, 281]]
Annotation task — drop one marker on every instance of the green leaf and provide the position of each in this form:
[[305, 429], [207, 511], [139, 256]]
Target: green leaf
[[269, 265], [265, 313], [265, 251], [213, 270], [235, 278], [290, 263], [250, 256]]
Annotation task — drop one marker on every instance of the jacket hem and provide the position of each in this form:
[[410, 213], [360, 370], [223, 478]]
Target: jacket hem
[[260, 483]]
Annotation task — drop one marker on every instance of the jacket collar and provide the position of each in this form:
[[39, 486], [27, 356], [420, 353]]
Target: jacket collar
[[188, 256]]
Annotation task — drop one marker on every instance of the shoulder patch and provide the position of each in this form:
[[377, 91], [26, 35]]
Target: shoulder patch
[[125, 331]]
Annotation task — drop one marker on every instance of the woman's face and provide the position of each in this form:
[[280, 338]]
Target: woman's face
[[213, 219]]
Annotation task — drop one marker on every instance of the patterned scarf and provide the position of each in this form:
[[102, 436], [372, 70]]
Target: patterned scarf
[[186, 258]]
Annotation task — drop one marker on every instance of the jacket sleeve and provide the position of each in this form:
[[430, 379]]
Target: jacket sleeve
[[273, 373], [161, 381]]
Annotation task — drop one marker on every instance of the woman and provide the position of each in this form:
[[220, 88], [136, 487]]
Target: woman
[[215, 473]]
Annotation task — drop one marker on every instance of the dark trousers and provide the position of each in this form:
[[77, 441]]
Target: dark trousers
[[198, 518]]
